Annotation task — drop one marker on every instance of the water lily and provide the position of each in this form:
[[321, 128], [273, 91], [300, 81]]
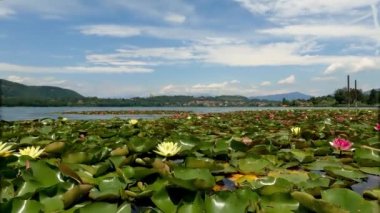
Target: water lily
[[33, 152], [167, 149], [133, 121], [296, 131], [5, 149], [341, 144], [377, 127]]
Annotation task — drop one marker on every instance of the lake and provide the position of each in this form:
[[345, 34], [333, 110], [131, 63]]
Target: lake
[[30, 113]]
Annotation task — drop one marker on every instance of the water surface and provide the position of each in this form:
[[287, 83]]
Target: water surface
[[30, 113]]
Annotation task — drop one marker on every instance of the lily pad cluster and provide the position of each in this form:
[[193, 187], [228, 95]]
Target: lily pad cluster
[[249, 161]]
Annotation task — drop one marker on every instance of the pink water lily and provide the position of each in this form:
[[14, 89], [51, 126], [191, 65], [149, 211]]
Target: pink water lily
[[341, 144], [377, 127]]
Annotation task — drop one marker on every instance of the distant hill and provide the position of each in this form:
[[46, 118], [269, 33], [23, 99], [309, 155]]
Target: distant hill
[[288, 96], [11, 90]]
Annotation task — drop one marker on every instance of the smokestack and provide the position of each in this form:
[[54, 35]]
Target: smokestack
[[356, 95], [348, 91]]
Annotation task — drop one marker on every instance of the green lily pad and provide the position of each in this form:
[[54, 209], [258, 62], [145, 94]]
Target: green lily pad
[[341, 172], [252, 165], [349, 200], [162, 200], [237, 201], [99, 207], [367, 157], [26, 206], [201, 178], [278, 203]]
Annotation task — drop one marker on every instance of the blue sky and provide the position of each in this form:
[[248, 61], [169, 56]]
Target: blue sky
[[126, 48]]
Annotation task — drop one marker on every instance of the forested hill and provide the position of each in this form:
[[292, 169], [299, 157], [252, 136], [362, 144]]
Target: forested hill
[[12, 92]]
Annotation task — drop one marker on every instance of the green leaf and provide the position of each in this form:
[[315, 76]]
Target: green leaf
[[278, 203], [302, 156], [371, 170], [52, 204], [372, 194], [28, 140], [367, 157], [76, 157], [194, 205], [99, 207], [292, 176], [140, 144], [44, 174], [225, 201], [26, 206], [316, 205], [162, 200], [345, 173], [252, 165], [202, 178], [320, 164], [125, 208], [349, 200]]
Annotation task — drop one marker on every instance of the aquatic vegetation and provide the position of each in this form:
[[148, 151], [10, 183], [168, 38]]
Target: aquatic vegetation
[[377, 127], [5, 150], [33, 152], [341, 144], [133, 121], [167, 149], [248, 161], [296, 131]]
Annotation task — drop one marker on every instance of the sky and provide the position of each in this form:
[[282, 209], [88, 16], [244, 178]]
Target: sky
[[129, 48]]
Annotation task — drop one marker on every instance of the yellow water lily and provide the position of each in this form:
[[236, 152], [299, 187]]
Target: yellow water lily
[[167, 149], [133, 121], [296, 131], [33, 152], [5, 150]]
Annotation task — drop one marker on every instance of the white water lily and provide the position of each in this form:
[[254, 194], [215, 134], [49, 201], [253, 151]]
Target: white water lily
[[296, 131], [33, 152], [133, 121], [167, 149], [5, 150]]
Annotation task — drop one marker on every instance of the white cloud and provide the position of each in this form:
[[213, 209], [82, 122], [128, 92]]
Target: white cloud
[[6, 12], [6, 67], [47, 7], [288, 80], [218, 88], [294, 8], [229, 54], [354, 66], [365, 64], [333, 68], [152, 8], [176, 33], [46, 81], [175, 18], [324, 78], [232, 87], [265, 83], [108, 69], [325, 31], [110, 30]]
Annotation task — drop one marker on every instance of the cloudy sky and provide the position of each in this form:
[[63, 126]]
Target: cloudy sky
[[125, 48]]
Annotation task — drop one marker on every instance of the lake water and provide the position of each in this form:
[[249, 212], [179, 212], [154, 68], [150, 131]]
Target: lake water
[[30, 113]]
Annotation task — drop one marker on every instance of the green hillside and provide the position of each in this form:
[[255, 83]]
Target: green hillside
[[12, 93]]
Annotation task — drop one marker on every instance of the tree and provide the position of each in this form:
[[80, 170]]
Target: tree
[[341, 95], [374, 97]]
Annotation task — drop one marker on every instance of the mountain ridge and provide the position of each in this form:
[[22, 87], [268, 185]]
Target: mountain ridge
[[279, 97], [10, 89]]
